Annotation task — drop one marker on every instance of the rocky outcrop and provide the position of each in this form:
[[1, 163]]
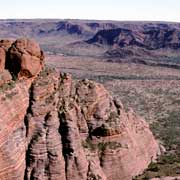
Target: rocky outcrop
[[14, 101], [6, 44], [25, 58], [59, 128], [22, 58]]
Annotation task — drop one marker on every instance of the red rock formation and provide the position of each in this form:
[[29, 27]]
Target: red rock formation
[[5, 77], [57, 128], [22, 58], [6, 44], [13, 107], [25, 58], [14, 101]]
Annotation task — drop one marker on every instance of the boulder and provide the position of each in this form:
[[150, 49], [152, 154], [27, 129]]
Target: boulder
[[25, 58]]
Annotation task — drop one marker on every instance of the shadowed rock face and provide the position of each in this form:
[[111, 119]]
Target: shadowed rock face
[[52, 127]]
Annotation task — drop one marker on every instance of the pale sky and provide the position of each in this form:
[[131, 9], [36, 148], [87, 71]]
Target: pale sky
[[156, 10]]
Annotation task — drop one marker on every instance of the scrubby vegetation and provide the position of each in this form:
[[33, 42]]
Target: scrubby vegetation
[[166, 165], [7, 86], [101, 146]]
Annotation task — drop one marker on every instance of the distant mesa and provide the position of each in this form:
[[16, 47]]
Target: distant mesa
[[152, 38], [95, 38]]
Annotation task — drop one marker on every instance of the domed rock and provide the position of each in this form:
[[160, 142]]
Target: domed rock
[[6, 44], [25, 58]]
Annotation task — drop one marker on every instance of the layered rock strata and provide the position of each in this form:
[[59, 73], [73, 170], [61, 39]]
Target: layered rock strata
[[53, 127]]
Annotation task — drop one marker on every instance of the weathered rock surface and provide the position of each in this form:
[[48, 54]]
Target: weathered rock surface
[[5, 76], [52, 127], [14, 101], [25, 58], [6, 44], [2, 59]]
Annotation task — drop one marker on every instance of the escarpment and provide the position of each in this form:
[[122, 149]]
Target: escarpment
[[54, 127]]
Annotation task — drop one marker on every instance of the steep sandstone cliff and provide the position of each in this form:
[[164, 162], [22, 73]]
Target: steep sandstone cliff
[[53, 127]]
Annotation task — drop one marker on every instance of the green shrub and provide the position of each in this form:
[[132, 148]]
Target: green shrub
[[153, 167]]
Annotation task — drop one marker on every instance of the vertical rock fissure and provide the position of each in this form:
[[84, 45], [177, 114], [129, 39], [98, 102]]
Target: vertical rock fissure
[[63, 130], [29, 109], [28, 160], [46, 168], [26, 123]]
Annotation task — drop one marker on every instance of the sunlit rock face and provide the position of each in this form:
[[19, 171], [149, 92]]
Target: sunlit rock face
[[52, 127]]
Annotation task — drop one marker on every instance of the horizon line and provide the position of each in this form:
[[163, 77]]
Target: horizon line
[[86, 19]]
